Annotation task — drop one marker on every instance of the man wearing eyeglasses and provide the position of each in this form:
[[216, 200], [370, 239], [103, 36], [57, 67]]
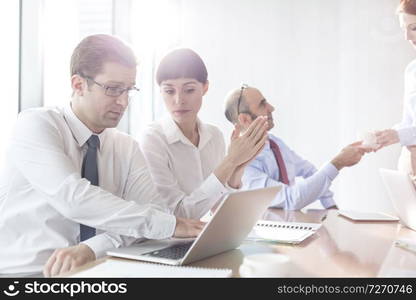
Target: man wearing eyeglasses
[[278, 164], [73, 186]]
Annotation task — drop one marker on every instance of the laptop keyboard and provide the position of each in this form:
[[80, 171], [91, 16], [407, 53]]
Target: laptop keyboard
[[172, 252]]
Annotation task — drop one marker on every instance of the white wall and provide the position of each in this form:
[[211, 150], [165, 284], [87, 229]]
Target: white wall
[[330, 67]]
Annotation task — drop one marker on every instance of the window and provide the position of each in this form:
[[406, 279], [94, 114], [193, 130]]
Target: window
[[65, 23], [152, 27], [9, 77], [155, 29]]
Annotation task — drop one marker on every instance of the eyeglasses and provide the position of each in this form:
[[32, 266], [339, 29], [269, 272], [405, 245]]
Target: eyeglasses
[[243, 86], [113, 91], [411, 27]]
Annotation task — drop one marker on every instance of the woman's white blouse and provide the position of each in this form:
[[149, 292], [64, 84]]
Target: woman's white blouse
[[182, 172], [407, 127]]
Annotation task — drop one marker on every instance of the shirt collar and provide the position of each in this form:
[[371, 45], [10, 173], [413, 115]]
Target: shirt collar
[[274, 139], [80, 131], [267, 144], [174, 134]]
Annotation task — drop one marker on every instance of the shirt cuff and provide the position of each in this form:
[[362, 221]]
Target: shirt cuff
[[231, 189], [161, 226], [330, 171], [99, 244], [212, 187], [327, 202], [407, 136]]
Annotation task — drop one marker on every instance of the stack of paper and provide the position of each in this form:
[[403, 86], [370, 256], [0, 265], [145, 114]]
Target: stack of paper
[[130, 268]]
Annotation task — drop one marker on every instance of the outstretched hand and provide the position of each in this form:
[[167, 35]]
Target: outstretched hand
[[386, 137], [350, 155]]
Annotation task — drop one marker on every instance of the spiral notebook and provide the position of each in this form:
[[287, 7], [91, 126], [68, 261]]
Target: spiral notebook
[[131, 268], [282, 232]]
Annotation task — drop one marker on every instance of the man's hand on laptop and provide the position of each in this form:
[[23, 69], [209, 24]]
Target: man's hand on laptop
[[66, 259], [187, 228]]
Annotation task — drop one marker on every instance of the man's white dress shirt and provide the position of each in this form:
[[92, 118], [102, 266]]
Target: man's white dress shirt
[[43, 198], [182, 172]]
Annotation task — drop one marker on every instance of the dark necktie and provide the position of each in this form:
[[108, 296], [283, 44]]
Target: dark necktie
[[90, 172], [279, 159]]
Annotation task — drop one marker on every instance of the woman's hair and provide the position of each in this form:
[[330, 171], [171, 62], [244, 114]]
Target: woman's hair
[[407, 6], [181, 63]]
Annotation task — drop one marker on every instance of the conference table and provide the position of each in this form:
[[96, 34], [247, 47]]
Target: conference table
[[339, 248]]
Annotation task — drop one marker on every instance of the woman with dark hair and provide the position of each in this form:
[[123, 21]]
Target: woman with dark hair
[[186, 157], [405, 131]]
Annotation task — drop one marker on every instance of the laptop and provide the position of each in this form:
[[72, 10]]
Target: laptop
[[229, 226], [402, 193]]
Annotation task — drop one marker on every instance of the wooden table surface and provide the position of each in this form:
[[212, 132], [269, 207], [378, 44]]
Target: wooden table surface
[[340, 248]]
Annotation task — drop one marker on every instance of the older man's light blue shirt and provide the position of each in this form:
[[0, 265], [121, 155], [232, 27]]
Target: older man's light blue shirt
[[263, 171]]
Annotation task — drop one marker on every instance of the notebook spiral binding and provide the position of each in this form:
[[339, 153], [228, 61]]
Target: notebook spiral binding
[[287, 225], [284, 226]]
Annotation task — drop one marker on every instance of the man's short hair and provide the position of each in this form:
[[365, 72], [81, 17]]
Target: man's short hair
[[231, 103], [94, 51], [182, 63], [407, 6]]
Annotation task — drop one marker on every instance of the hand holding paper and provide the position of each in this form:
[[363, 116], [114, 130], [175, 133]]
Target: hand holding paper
[[350, 155], [386, 137]]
